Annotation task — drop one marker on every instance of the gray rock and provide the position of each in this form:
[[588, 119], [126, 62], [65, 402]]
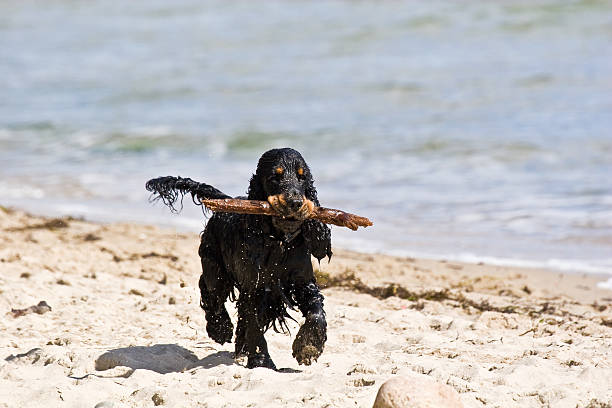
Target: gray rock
[[105, 404], [161, 358], [416, 391]]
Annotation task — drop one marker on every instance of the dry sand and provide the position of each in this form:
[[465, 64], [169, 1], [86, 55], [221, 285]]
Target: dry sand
[[501, 337]]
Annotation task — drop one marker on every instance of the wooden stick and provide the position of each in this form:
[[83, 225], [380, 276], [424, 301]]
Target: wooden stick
[[325, 215]]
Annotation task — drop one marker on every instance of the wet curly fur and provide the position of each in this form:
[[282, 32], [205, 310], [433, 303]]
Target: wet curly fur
[[268, 259]]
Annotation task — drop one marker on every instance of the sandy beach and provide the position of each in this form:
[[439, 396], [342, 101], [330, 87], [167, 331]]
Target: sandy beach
[[500, 336]]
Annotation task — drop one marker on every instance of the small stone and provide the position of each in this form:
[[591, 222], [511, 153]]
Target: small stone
[[58, 342], [31, 356], [416, 391], [363, 382], [172, 300], [41, 308], [157, 399], [104, 404], [360, 368], [91, 237]]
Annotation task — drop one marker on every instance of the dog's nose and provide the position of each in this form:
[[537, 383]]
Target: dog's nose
[[294, 200], [295, 203]]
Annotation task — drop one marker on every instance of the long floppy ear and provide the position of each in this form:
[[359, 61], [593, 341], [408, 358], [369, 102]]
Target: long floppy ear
[[316, 234], [318, 238], [256, 190]]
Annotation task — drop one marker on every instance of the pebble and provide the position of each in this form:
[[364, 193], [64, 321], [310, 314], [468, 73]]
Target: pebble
[[104, 404], [416, 391], [158, 399], [31, 356]]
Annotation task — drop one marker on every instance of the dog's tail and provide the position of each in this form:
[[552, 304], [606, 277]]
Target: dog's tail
[[172, 189]]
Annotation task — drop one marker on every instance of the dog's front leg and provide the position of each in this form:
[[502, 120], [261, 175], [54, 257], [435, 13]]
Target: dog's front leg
[[218, 323], [250, 335], [310, 340]]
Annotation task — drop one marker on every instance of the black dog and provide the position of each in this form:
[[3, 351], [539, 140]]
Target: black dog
[[266, 258]]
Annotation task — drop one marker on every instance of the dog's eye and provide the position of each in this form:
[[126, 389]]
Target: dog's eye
[[300, 173]]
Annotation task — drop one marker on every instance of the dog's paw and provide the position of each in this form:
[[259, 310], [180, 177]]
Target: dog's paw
[[219, 327], [310, 340], [260, 360]]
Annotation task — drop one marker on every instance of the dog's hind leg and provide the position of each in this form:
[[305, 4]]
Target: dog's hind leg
[[214, 290], [310, 339]]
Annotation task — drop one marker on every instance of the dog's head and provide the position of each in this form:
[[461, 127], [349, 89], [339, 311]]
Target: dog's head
[[284, 180]]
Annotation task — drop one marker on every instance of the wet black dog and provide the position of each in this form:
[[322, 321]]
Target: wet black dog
[[268, 259]]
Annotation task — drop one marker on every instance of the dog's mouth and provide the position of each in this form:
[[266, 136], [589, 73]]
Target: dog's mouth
[[291, 209]]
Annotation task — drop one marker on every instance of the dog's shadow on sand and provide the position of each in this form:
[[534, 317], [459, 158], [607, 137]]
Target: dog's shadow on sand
[[164, 358]]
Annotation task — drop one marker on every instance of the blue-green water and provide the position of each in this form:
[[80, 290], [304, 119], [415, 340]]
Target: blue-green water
[[466, 130]]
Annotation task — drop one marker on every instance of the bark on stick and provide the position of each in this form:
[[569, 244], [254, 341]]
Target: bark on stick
[[325, 215]]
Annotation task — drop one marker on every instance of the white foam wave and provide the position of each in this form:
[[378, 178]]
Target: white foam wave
[[605, 284], [565, 265], [21, 191], [599, 266]]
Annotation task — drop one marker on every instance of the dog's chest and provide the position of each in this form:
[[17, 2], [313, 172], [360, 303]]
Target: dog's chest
[[270, 261]]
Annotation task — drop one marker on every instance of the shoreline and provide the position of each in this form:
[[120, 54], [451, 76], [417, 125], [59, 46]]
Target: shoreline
[[500, 336], [582, 287], [565, 267]]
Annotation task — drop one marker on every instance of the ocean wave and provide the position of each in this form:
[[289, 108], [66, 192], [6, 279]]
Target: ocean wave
[[607, 284], [472, 127]]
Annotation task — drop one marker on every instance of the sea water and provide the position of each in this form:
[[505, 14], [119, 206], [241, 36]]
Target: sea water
[[464, 130]]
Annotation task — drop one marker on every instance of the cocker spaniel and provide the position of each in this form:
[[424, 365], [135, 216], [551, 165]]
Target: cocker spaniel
[[266, 258]]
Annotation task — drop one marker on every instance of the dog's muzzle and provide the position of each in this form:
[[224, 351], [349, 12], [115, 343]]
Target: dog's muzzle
[[291, 205]]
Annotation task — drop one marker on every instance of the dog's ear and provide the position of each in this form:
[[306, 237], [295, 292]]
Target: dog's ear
[[318, 238], [256, 189]]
